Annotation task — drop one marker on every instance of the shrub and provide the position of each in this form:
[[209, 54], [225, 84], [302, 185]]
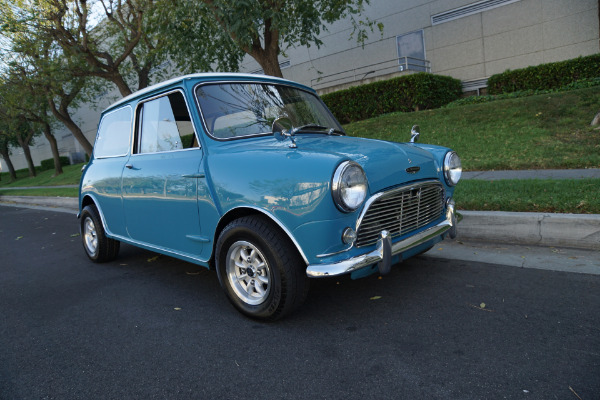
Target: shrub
[[545, 76], [406, 93], [49, 163], [582, 84]]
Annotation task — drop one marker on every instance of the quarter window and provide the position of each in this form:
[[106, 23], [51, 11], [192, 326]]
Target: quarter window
[[165, 125], [113, 134]]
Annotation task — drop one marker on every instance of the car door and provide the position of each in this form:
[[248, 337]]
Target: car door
[[160, 179]]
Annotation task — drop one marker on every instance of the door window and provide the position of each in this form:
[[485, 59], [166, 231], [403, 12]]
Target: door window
[[165, 125]]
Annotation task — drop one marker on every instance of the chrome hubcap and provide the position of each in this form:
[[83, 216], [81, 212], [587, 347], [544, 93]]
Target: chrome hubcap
[[248, 273], [90, 237]]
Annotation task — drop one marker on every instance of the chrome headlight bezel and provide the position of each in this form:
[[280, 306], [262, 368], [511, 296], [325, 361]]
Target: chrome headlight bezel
[[452, 168], [349, 198]]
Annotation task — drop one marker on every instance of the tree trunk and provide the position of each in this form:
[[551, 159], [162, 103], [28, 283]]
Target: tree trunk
[[123, 87], [64, 117], [54, 147], [268, 58], [24, 143], [270, 66], [11, 169]]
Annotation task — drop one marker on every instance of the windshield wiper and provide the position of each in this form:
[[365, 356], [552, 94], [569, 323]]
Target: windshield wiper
[[330, 131], [309, 127], [335, 131]]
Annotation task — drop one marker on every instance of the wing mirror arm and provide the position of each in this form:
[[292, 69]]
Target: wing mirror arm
[[414, 134], [282, 128]]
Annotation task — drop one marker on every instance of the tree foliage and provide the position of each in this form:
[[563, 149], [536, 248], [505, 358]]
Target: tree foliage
[[217, 34]]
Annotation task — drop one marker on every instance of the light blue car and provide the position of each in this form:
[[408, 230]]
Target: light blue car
[[253, 176]]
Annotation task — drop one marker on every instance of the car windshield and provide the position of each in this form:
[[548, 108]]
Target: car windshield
[[239, 109]]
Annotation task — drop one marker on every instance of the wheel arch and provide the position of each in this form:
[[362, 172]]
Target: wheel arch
[[88, 200], [245, 211]]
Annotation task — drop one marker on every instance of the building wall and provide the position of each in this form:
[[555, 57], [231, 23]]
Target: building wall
[[517, 34]]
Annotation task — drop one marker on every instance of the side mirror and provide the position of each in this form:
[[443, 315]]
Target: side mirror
[[414, 134]]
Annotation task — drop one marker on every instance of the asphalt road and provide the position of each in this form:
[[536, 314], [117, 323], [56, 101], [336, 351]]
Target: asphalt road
[[152, 327]]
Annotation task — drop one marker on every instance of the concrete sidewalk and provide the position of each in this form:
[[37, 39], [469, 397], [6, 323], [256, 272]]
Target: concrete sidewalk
[[581, 231]]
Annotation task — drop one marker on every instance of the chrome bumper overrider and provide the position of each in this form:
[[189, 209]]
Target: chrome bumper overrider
[[382, 251]]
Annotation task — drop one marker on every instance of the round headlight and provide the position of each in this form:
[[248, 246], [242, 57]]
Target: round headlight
[[452, 168], [349, 186]]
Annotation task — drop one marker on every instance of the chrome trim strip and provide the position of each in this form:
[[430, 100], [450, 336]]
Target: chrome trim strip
[[372, 257], [161, 250], [334, 253]]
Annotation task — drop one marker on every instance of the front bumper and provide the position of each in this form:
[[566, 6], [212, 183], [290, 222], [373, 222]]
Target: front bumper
[[385, 249]]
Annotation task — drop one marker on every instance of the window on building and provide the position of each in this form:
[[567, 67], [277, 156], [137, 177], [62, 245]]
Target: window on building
[[411, 51]]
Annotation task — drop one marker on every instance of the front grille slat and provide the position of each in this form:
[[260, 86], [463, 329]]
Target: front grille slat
[[401, 211]]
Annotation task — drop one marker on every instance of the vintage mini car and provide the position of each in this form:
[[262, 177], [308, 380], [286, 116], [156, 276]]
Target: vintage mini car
[[253, 176]]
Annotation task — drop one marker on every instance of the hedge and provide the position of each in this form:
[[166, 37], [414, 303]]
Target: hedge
[[414, 92], [49, 163], [545, 76]]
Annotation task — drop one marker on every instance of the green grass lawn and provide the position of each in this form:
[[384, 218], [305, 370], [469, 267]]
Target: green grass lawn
[[70, 176], [577, 196], [535, 132]]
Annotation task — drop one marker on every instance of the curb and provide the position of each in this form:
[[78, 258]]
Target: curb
[[63, 202], [580, 231]]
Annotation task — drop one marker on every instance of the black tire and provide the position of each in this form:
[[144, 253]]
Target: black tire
[[269, 280], [97, 246]]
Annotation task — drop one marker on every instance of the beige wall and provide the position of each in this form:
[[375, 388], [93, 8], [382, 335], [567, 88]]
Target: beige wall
[[515, 35]]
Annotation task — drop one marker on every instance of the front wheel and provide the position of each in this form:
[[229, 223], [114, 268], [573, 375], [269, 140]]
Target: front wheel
[[98, 247], [259, 269]]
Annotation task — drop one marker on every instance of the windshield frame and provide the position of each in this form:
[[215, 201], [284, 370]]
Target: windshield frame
[[259, 82]]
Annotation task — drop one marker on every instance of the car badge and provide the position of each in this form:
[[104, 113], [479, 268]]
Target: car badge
[[413, 170]]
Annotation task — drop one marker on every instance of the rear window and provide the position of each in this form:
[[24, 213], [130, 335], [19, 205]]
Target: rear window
[[114, 134]]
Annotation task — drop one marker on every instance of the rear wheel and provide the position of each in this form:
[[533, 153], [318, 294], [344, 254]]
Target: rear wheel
[[259, 269], [98, 247]]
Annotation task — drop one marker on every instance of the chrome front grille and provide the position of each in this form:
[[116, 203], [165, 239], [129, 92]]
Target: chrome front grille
[[401, 211]]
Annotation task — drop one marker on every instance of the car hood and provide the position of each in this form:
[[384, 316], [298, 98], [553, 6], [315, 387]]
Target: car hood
[[385, 163]]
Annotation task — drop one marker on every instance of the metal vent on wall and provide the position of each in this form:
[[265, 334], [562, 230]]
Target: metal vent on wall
[[471, 9]]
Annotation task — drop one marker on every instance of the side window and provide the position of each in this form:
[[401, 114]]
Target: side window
[[164, 124], [113, 134]]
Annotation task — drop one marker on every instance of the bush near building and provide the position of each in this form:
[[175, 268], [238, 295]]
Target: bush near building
[[49, 163], [545, 76], [414, 92]]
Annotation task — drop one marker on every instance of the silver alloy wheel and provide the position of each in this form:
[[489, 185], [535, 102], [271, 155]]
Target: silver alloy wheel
[[248, 273], [90, 237]]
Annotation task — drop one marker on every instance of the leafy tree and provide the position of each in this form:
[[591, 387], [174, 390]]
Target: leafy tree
[[208, 33], [24, 133], [17, 129], [24, 96], [118, 44], [6, 140], [38, 67]]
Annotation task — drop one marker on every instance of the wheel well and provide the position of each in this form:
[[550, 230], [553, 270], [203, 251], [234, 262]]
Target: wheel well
[[239, 213], [87, 200]]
